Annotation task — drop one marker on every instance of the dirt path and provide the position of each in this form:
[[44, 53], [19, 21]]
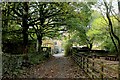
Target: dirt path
[[57, 67]]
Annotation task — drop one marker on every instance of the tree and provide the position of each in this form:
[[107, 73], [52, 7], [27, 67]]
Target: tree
[[51, 16], [46, 19], [17, 14], [77, 25], [108, 8]]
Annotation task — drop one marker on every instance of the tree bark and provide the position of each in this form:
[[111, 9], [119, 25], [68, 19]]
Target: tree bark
[[40, 43], [91, 44], [25, 30], [113, 42]]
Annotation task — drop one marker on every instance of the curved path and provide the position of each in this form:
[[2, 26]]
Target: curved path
[[56, 67]]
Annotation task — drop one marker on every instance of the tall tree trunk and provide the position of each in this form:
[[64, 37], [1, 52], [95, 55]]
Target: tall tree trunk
[[39, 43], [25, 30], [113, 42], [39, 39], [119, 41]]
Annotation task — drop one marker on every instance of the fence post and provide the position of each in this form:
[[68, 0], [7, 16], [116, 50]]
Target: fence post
[[93, 66], [102, 69], [87, 64], [119, 67], [83, 61], [78, 59]]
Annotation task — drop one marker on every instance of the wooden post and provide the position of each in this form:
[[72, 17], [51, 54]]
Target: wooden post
[[83, 62], [93, 66], [87, 64], [119, 67], [78, 59], [102, 69]]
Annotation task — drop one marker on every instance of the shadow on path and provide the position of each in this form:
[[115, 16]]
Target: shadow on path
[[57, 67]]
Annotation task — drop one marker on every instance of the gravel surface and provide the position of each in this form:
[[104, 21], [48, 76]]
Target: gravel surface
[[56, 67]]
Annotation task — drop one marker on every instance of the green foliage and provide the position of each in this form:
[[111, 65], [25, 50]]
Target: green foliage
[[108, 45], [36, 58], [34, 20], [11, 65], [67, 48], [77, 25], [100, 31]]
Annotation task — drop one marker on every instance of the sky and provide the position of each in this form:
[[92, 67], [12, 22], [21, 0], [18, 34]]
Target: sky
[[114, 4]]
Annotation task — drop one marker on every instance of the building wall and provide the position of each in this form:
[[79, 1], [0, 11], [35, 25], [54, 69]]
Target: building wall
[[56, 45]]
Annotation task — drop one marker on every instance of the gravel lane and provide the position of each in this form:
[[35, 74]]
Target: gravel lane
[[56, 67]]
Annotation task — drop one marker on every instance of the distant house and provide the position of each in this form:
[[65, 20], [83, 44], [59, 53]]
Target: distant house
[[56, 45]]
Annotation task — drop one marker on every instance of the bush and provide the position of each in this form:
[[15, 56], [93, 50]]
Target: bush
[[11, 65], [67, 48], [36, 58]]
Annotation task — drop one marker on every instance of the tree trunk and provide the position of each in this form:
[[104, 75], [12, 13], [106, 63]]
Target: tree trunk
[[113, 42], [39, 43], [25, 30], [119, 41], [91, 44]]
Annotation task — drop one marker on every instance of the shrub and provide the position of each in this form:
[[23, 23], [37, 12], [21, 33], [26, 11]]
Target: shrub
[[67, 48], [11, 65], [36, 58]]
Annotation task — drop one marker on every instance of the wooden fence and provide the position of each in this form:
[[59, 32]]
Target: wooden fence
[[93, 68]]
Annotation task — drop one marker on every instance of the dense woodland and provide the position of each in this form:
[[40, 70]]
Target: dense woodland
[[26, 23]]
